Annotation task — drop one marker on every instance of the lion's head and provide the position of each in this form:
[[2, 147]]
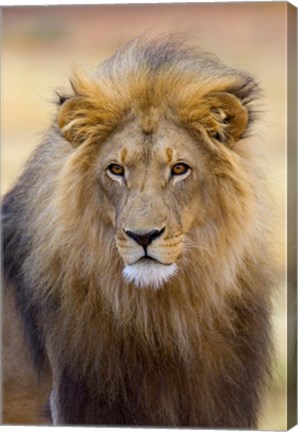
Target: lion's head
[[156, 157]]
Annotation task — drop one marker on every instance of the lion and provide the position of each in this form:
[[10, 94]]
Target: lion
[[138, 245]]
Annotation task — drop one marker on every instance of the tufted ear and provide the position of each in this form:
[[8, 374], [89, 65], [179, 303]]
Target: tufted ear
[[91, 113], [68, 119], [225, 118]]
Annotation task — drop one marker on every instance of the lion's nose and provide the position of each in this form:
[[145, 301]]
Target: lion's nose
[[146, 238]]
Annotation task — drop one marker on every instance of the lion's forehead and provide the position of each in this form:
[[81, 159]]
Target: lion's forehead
[[166, 144]]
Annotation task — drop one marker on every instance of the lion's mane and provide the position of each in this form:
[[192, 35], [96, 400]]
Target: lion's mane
[[193, 353]]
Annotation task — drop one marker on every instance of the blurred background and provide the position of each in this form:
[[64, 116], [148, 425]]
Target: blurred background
[[40, 46]]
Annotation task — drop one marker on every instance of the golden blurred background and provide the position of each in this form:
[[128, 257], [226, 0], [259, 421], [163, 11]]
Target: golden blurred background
[[40, 46]]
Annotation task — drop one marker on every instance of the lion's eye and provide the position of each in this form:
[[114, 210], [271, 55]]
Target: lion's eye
[[117, 170], [180, 169]]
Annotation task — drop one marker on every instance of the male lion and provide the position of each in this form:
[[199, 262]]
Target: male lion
[[137, 244]]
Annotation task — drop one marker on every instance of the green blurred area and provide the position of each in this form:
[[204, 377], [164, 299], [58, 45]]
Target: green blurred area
[[40, 46]]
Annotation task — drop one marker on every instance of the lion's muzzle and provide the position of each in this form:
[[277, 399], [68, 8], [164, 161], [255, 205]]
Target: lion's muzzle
[[148, 259]]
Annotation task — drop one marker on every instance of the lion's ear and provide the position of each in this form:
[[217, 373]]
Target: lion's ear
[[88, 115], [66, 116], [76, 112], [227, 118], [67, 119]]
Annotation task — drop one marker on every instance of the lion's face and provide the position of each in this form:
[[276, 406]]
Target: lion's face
[[152, 186]]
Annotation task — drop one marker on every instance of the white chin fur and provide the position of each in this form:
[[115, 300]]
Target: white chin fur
[[149, 274]]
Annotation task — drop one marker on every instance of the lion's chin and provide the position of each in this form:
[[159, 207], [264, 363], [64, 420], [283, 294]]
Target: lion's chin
[[145, 274]]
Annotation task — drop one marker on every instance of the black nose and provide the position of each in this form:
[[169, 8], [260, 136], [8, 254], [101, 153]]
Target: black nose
[[145, 239]]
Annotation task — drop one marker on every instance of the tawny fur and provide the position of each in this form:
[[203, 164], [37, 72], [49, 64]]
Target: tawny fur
[[195, 351]]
